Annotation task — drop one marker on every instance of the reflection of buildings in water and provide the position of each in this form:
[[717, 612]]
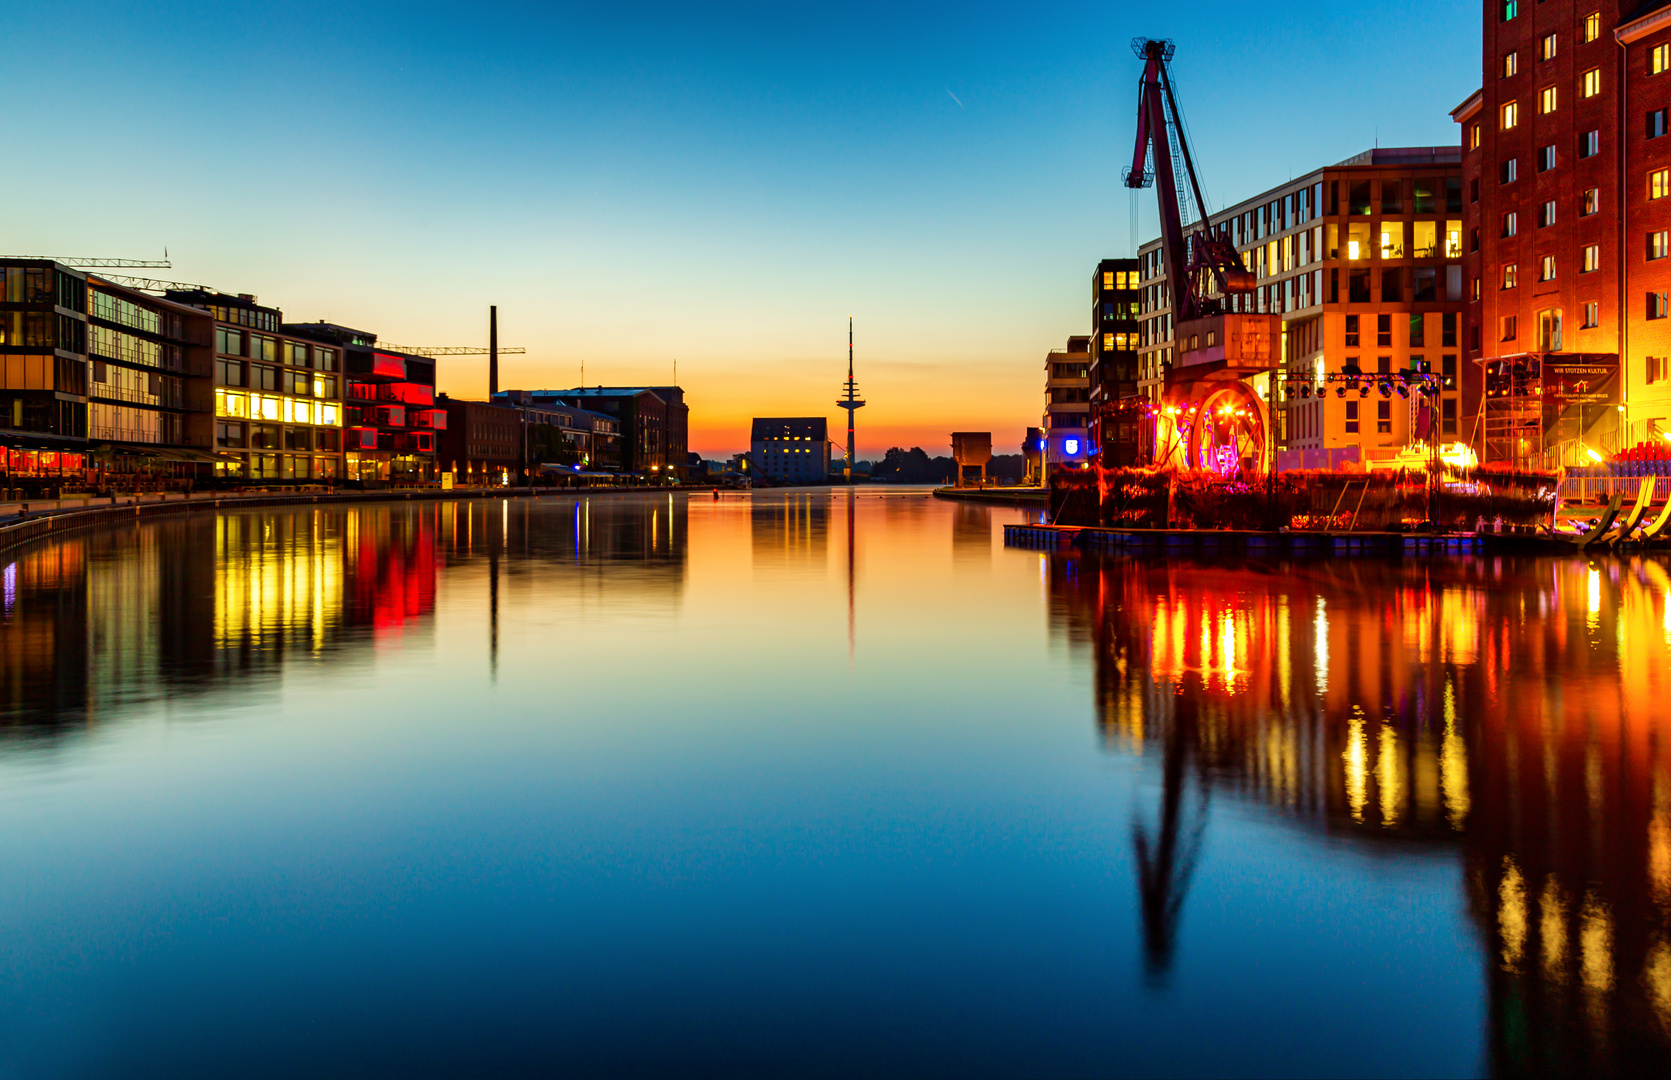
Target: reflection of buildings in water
[[790, 530], [112, 616], [1509, 710], [642, 532]]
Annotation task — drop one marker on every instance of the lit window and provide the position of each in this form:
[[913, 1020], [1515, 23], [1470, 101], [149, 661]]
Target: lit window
[[1546, 47], [1656, 305], [1592, 315], [1473, 136], [1511, 223], [1511, 115], [1510, 328], [1510, 65], [1546, 100], [1511, 273], [1476, 288], [1659, 59], [1546, 268], [1592, 258], [1108, 279], [1657, 244], [1590, 202], [1592, 26], [1589, 84], [1659, 183]]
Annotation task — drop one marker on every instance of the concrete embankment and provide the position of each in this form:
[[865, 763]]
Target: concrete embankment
[[1037, 498]]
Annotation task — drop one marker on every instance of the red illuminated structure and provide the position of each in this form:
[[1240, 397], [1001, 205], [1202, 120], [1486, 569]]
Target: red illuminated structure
[[390, 416]]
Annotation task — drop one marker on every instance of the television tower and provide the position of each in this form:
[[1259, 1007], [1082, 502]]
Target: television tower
[[850, 400]]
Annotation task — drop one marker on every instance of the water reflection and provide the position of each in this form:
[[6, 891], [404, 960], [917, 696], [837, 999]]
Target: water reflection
[[103, 619], [1513, 712]]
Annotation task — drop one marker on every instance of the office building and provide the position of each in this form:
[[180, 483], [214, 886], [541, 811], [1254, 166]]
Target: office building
[[389, 415], [1568, 173], [1067, 403], [791, 449], [1363, 263]]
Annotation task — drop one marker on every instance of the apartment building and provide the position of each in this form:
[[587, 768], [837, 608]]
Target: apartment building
[[1568, 172], [1067, 403], [653, 423], [1112, 434], [1363, 263]]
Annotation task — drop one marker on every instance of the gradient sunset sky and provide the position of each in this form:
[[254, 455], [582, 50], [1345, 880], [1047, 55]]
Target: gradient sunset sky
[[639, 184]]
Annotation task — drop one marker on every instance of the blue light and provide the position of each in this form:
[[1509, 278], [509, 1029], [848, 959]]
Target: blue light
[[1070, 446]]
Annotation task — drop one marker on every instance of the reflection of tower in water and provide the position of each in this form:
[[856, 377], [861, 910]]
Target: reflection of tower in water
[[1372, 702]]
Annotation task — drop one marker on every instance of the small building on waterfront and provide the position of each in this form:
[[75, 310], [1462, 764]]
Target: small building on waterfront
[[1067, 403], [791, 449]]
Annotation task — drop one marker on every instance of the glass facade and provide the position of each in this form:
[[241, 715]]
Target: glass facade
[[278, 416]]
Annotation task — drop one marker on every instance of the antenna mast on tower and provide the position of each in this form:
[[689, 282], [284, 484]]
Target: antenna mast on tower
[[850, 400]]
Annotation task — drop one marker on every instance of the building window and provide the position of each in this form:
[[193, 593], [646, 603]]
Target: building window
[[1656, 123], [1546, 268], [1592, 316], [1659, 59], [1659, 367], [1546, 158], [1657, 244], [1592, 259], [1473, 136], [1476, 288], [1509, 329], [1351, 418], [1546, 100], [1511, 115], [1474, 190], [1509, 171], [1589, 84], [1546, 215], [1546, 47], [1589, 202], [1511, 224], [1510, 274], [1589, 144], [1351, 331], [1383, 417], [1418, 330], [1510, 9], [1447, 330], [1656, 305], [1592, 26], [1659, 183], [1447, 417], [1383, 331], [1510, 64]]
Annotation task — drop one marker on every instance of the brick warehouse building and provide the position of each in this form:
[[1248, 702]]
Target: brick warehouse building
[[1568, 171]]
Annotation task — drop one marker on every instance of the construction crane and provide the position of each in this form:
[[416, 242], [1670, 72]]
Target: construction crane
[[1211, 416], [144, 284], [103, 264], [447, 350]]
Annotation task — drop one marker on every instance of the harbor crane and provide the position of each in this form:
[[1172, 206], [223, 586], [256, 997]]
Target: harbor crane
[[1211, 415]]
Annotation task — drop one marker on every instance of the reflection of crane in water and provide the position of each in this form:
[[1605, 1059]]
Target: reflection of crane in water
[[1166, 864]]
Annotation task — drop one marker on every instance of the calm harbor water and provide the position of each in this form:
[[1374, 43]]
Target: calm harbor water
[[819, 783]]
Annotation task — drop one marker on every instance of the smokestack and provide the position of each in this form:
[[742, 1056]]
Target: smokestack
[[492, 350]]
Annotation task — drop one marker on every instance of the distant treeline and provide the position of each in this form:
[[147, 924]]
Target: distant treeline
[[914, 466]]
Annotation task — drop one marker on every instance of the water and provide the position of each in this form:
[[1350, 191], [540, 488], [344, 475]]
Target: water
[[815, 784]]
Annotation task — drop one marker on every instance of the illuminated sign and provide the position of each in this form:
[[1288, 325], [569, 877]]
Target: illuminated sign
[[1070, 446]]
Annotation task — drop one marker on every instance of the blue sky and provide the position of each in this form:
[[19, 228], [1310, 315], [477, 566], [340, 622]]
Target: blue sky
[[721, 187]]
